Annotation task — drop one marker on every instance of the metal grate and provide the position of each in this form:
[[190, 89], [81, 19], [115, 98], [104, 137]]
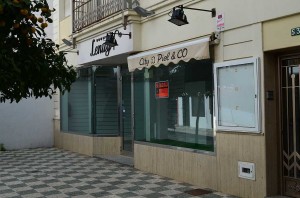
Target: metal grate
[[87, 12], [196, 192], [290, 124], [290, 89]]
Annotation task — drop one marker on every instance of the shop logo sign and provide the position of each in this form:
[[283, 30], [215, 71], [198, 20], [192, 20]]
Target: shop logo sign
[[160, 58], [99, 49]]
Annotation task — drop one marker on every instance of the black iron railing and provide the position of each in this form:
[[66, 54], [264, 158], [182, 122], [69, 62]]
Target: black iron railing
[[87, 12]]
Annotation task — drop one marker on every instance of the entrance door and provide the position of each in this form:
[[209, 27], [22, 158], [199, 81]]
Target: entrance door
[[290, 121], [126, 112]]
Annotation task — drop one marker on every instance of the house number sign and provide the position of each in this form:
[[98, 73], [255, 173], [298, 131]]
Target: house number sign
[[295, 31]]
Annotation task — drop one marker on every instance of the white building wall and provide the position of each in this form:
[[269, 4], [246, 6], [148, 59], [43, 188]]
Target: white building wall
[[29, 123]]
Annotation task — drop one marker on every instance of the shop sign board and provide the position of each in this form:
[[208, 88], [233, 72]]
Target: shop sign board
[[94, 49], [162, 89], [295, 31], [197, 49], [162, 58]]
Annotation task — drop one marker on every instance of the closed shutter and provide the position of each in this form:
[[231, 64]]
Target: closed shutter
[[78, 107], [107, 105]]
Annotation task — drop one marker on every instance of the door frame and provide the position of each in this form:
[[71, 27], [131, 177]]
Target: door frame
[[120, 107]]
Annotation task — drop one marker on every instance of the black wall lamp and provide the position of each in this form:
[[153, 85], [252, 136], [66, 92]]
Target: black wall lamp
[[110, 38], [67, 42], [70, 43], [179, 18], [142, 11]]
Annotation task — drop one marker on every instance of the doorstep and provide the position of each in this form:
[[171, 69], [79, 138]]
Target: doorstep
[[121, 159]]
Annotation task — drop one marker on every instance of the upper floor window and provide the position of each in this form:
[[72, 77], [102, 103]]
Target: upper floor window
[[67, 8]]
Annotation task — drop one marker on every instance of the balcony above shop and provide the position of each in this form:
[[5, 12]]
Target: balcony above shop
[[88, 12]]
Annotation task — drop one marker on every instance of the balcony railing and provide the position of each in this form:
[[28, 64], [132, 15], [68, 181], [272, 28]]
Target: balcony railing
[[87, 12]]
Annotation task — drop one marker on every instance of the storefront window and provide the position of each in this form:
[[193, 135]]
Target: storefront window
[[76, 105], [174, 105], [91, 107]]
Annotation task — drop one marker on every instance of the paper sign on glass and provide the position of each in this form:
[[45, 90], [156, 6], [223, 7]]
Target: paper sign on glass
[[162, 89]]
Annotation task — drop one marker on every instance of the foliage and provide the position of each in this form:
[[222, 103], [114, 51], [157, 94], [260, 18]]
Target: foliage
[[2, 148], [30, 65]]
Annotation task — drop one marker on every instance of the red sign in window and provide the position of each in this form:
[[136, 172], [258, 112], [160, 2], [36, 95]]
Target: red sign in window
[[162, 89]]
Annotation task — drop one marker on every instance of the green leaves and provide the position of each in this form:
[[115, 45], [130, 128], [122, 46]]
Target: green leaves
[[29, 64], [50, 20]]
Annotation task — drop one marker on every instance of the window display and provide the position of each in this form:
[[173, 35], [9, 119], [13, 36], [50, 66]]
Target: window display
[[185, 117]]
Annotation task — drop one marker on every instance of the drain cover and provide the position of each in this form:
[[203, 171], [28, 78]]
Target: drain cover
[[196, 192]]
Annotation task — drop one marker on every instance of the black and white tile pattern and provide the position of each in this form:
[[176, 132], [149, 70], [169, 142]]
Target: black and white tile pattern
[[50, 172]]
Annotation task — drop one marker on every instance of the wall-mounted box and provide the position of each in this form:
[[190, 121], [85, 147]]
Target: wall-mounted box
[[246, 170], [237, 99]]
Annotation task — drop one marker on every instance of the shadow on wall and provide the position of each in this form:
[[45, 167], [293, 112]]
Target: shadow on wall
[[27, 124]]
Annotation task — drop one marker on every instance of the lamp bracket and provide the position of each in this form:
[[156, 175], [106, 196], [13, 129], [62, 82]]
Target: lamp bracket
[[70, 51], [215, 37], [213, 10], [120, 34], [110, 39]]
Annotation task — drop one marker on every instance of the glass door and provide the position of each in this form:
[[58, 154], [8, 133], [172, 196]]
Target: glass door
[[126, 112]]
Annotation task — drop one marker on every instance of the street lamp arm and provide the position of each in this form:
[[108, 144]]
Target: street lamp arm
[[213, 11]]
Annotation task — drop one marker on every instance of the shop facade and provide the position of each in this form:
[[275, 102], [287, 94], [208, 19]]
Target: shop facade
[[214, 103], [95, 117]]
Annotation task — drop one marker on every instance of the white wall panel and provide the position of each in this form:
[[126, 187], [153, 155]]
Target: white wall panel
[[27, 124]]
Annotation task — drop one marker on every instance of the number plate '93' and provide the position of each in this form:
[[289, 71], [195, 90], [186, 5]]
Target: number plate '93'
[[295, 31]]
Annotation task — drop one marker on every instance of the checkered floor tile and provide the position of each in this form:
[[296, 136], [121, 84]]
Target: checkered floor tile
[[50, 172]]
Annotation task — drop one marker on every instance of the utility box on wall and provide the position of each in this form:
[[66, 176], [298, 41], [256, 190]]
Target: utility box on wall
[[246, 170]]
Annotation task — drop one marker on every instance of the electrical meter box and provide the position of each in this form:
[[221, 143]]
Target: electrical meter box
[[246, 170]]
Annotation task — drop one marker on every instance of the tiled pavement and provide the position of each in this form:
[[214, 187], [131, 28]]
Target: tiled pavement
[[50, 172]]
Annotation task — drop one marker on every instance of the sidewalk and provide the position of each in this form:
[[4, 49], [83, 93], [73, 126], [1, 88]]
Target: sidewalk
[[50, 172]]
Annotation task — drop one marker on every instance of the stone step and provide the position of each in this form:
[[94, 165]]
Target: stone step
[[118, 158]]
